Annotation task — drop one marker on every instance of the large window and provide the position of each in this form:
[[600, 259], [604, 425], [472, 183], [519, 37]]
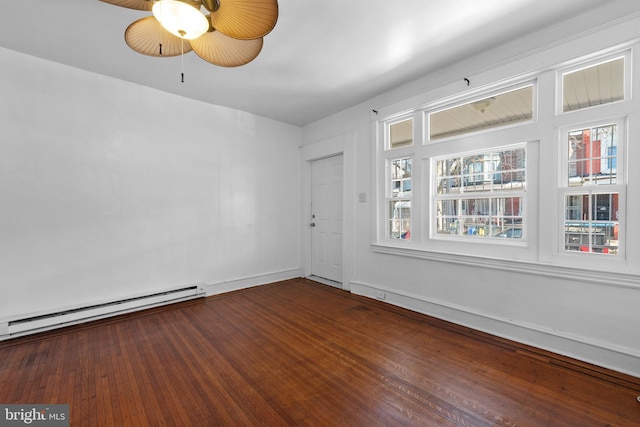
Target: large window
[[592, 185], [529, 170], [481, 194]]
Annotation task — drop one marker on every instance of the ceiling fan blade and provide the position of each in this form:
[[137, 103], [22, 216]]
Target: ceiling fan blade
[[220, 49], [245, 19], [132, 4], [146, 36]]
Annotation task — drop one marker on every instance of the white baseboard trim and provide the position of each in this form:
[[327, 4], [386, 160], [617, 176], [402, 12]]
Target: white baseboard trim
[[607, 355], [325, 281], [250, 281]]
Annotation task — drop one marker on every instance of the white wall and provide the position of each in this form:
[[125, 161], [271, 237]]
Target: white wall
[[595, 319], [110, 190]]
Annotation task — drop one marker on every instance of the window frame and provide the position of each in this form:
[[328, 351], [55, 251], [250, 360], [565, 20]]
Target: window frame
[[522, 194], [543, 246], [621, 150], [493, 91], [591, 61], [387, 133], [591, 117], [384, 184], [400, 198], [620, 187]]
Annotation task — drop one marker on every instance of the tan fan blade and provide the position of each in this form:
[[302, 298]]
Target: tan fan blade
[[245, 19], [132, 4], [146, 4], [146, 36], [222, 50]]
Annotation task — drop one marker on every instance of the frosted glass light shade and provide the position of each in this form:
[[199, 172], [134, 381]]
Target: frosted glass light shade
[[180, 19]]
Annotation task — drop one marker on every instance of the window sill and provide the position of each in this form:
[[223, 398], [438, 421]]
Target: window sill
[[527, 267]]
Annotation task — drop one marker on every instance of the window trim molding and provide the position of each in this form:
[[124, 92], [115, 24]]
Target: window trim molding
[[591, 259], [387, 132], [556, 271], [522, 193], [589, 61], [389, 197], [495, 89], [621, 153], [542, 252], [621, 187]]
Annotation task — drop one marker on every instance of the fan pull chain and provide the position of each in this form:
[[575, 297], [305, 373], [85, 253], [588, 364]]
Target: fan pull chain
[[182, 60], [160, 48]]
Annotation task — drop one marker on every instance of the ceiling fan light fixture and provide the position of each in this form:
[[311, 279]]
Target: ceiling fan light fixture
[[180, 18], [230, 35]]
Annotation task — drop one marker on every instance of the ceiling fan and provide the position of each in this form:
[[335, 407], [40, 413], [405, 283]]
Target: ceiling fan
[[229, 35]]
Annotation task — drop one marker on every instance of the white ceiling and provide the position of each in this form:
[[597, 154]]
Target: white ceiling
[[322, 56]]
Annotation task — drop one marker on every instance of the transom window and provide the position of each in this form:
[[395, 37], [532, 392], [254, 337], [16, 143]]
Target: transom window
[[490, 112], [401, 134], [593, 85]]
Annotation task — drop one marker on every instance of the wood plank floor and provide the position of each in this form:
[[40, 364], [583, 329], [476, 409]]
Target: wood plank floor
[[298, 353]]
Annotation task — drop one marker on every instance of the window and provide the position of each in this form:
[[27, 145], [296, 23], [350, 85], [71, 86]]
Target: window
[[399, 203], [591, 223], [593, 186], [398, 180], [481, 194], [490, 112], [525, 171], [401, 134], [592, 189], [477, 195], [593, 85], [593, 156]]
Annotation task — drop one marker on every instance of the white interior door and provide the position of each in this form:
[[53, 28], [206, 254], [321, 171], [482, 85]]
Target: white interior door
[[326, 218]]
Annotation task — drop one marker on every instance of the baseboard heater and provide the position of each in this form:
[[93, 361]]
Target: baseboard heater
[[44, 322]]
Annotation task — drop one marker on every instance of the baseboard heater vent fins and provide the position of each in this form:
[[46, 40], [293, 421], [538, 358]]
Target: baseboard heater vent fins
[[39, 323]]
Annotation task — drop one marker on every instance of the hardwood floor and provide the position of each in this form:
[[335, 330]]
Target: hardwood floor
[[299, 353]]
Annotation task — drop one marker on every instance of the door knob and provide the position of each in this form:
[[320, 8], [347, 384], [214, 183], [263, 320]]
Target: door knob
[[313, 224]]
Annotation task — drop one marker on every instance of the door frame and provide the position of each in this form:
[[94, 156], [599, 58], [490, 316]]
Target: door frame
[[339, 145]]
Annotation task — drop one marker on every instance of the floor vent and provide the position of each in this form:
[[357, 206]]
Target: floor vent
[[39, 323]]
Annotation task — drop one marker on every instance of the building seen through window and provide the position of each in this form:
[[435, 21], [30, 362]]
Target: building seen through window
[[481, 194]]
